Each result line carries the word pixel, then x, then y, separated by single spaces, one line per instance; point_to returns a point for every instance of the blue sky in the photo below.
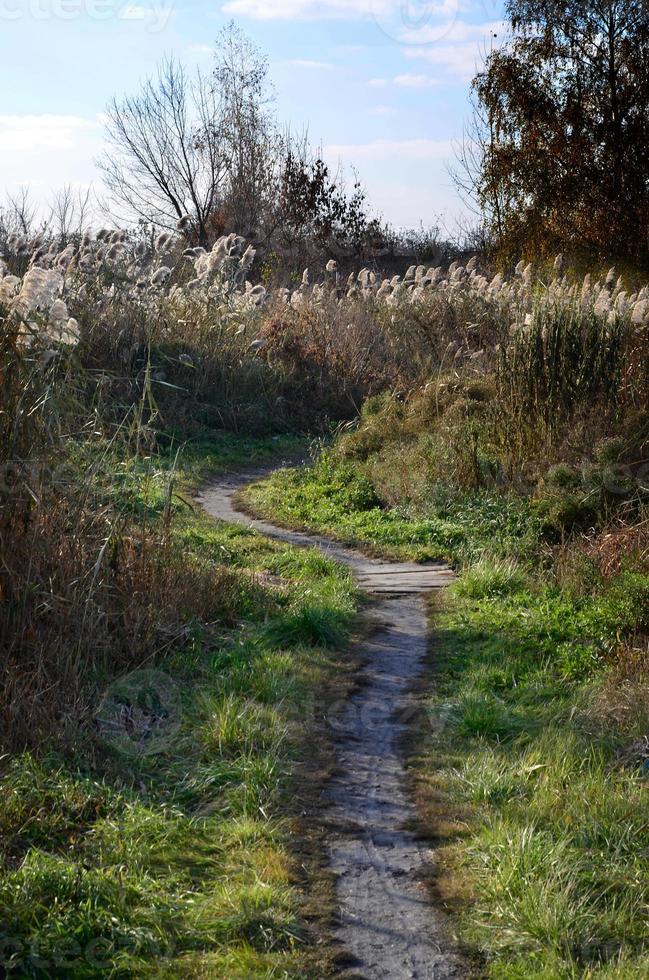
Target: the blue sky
pixel 381 84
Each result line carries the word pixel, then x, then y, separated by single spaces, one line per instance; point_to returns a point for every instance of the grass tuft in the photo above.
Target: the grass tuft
pixel 492 577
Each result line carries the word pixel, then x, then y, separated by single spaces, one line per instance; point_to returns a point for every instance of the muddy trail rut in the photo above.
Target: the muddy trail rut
pixel 387 924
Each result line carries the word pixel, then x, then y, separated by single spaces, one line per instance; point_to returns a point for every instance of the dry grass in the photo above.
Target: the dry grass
pixel 618 546
pixel 86 595
pixel 621 703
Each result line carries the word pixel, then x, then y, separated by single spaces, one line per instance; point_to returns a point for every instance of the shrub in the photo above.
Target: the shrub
pixel 563 477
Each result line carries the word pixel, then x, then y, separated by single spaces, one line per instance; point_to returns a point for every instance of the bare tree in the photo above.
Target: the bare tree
pixel 69 213
pixel 166 158
pixel 210 148
pixel 478 140
pixel 19 213
pixel 254 148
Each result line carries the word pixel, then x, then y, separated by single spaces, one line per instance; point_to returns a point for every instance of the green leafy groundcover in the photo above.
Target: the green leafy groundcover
pixel 337 498
pixel 549 850
pixel 170 857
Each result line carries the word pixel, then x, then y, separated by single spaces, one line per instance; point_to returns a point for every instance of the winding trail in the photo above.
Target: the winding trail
pixel 387 924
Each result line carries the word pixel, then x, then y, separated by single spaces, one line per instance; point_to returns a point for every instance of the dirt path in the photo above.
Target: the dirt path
pixel 388 925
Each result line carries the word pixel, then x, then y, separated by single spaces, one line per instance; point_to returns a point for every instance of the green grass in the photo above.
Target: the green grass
pixel 539 801
pixel 556 847
pixel 170 855
pixel 338 498
pixel 140 486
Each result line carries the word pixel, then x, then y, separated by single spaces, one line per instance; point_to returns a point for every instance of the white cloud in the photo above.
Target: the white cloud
pixel 201 50
pixel 463 49
pixel 452 32
pixel 415 81
pixel 300 9
pixel 460 60
pixel 434 23
pixel 430 30
pixel 308 65
pixel 392 16
pixel 416 149
pixel 45 152
pixel 407 201
pixel 412 81
pixel 21 133
pixel 406 179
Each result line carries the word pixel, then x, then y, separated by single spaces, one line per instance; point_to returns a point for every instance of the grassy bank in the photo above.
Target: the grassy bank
pixel 535 781
pixel 151 837
pixel 338 497
pixel 532 774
